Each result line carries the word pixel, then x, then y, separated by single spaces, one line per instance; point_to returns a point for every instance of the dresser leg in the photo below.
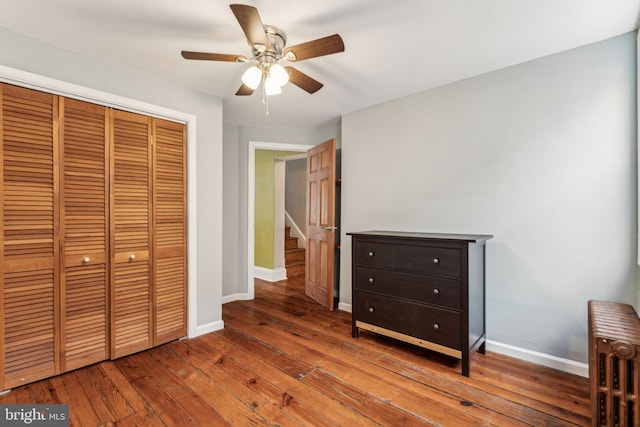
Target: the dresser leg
pixel 482 349
pixel 354 331
pixel 465 363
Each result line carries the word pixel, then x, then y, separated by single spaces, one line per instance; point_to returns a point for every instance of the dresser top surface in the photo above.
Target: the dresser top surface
pixel 475 238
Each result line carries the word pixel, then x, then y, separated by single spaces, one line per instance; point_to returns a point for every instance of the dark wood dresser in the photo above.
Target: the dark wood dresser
pixel 427 289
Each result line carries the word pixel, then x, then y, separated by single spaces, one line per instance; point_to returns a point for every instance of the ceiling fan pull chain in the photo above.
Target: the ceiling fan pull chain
pixel 266 114
pixel 265 99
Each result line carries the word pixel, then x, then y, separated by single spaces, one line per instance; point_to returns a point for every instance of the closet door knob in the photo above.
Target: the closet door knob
pixel 132 257
pixel 86 260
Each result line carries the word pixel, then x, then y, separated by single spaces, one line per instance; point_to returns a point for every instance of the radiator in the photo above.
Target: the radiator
pixel 614 364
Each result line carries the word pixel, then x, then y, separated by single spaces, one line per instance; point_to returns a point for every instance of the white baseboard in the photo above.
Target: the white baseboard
pixel 236 297
pixel 559 363
pixel 209 327
pixel 344 307
pixel 269 275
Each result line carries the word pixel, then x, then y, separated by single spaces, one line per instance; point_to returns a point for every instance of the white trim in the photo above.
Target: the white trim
pixel 566 365
pixel 269 275
pixel 251 184
pixel 296 157
pixel 279 171
pixel 343 306
pixel 70 90
pixel 235 297
pixel 295 230
pixel 192 233
pixel 210 327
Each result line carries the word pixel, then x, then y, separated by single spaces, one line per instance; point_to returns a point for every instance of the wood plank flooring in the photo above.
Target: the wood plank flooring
pixel 282 360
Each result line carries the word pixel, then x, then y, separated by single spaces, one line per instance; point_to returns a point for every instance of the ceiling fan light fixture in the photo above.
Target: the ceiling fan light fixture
pixel 278 74
pixel 271 87
pixel 252 77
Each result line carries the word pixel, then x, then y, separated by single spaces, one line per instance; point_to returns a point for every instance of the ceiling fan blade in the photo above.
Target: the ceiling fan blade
pixel 320 47
pixel 250 22
pixel 212 56
pixel 244 90
pixel 303 81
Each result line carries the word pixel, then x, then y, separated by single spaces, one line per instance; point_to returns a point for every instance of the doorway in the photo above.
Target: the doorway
pixel 253 146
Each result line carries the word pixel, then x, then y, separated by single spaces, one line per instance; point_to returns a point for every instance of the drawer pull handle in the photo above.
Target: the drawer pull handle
pixel 371 280
pixel 370 253
pixel 370 309
pixel 436 291
pixel 436 261
pixel 132 257
pixel 86 260
pixel 436 326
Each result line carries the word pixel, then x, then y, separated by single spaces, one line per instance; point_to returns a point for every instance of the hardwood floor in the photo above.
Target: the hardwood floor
pixel 283 360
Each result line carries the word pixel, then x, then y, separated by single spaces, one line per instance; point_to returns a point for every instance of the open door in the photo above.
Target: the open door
pixel 321 225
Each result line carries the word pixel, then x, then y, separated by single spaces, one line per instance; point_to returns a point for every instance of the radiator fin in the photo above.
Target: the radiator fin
pixel 614 364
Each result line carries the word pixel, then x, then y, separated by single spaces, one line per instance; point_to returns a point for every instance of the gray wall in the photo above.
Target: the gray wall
pixel 36 57
pixel 234 229
pixel 296 191
pixel 541 155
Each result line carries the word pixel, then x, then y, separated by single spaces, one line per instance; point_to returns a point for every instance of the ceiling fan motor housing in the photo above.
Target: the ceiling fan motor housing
pixel 277 41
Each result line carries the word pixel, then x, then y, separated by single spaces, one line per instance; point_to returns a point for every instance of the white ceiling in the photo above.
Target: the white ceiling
pixel 393 48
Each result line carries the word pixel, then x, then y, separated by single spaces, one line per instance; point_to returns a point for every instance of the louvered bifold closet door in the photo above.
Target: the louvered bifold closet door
pixel 170 231
pixel 29 249
pixel 131 296
pixel 84 233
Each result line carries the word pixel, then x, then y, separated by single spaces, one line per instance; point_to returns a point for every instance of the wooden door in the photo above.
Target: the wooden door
pixel 131 296
pixel 29 231
pixel 321 184
pixel 170 228
pixel 84 228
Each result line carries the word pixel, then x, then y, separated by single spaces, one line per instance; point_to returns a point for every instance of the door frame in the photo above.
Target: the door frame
pixel 251 199
pixel 58 87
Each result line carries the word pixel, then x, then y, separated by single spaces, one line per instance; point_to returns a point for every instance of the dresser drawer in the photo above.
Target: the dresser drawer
pixel 411 258
pixel 429 289
pixel 429 323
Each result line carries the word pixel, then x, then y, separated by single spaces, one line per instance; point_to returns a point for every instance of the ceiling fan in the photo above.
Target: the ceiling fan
pixel 268 49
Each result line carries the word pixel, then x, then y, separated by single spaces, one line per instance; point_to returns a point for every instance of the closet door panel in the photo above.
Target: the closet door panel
pixel 84 233
pixel 130 233
pixel 170 230
pixel 28 227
